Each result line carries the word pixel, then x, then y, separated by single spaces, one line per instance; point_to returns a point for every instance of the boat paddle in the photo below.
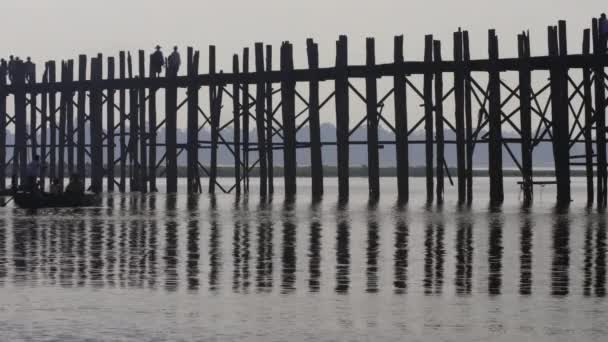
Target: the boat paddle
pixel 7 202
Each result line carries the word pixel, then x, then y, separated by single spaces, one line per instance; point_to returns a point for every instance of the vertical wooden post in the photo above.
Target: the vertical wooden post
pixel 495 141
pixel 214 122
pixel 428 116
pixel 342 116
pixel 19 151
pixel 193 104
pixel 599 50
pixel 439 135
pixel 588 119
pixel 236 115
pixel 269 124
pixel 70 118
pixel 43 124
pixel 401 127
pixel 171 134
pixel 122 122
pixel 288 97
pixel 80 120
pixel 110 127
pixel 52 123
pixel 459 116
pixel 33 113
pixel 260 118
pixel 3 75
pixel 316 159
pixel 563 143
pixel 63 101
pixel 95 113
pixel 371 94
pixel 245 135
pixel 133 145
pixel 525 93
pixel 143 137
pixel 152 130
pixel 468 114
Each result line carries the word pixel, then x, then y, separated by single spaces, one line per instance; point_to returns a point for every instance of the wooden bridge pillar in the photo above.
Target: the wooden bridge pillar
pixel 599 50
pixel 3 117
pixel 236 116
pixel 289 132
pixel 439 133
pixel 81 100
pixel 52 167
pixel 401 127
pixel 20 152
pixel 63 136
pixel 525 93
pixel 193 104
pixel 459 117
pixel 316 159
pixel 587 96
pixel 171 134
pixel 214 121
pixel 260 119
pixel 495 140
pixel 143 137
pixel 269 123
pixel 95 113
pixel 245 116
pixel 428 117
pixel 371 95
pixel 70 139
pixel 468 115
pixel 123 130
pixel 110 130
pixel 342 116
pixel 152 131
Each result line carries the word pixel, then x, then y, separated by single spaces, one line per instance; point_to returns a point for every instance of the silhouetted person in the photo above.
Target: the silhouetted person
pixel 30 70
pixel 157 61
pixel 11 68
pixel 173 63
pixel 3 71
pixel 74 186
pixel 603 28
pixel 33 171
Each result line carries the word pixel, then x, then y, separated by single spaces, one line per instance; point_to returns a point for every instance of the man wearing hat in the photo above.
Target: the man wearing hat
pixel 157 60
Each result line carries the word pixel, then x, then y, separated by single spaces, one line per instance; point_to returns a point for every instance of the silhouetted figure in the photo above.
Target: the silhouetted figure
pixel 30 71
pixel 33 171
pixel 11 68
pixel 603 28
pixel 173 63
pixel 3 71
pixel 56 187
pixel 75 187
pixel 157 61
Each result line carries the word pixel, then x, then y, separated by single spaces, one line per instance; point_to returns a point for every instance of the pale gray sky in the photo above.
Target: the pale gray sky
pixel 56 29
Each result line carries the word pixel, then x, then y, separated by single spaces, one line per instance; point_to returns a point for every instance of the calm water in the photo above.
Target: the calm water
pixel 158 267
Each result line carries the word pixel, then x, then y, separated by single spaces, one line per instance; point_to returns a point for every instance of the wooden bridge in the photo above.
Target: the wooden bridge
pixel 566 109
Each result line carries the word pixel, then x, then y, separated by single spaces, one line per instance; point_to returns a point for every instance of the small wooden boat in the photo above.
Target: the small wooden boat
pixel 29 200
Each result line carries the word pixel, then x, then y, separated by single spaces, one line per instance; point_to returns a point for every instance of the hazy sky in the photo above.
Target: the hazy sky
pixel 59 29
pixel 56 29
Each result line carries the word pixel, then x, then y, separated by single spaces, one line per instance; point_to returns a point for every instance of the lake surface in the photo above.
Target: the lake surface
pixel 158 267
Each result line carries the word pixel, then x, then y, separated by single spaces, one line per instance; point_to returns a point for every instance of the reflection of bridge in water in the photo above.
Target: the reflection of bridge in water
pixel 146 242
pixel 119 114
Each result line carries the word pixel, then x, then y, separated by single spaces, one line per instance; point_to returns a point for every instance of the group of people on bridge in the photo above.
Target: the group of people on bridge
pixel 8 69
pixel 172 63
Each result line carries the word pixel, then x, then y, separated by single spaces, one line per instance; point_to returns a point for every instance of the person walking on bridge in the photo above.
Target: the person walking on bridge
pixel 3 71
pixel 173 63
pixel 11 68
pixel 157 60
pixel 30 71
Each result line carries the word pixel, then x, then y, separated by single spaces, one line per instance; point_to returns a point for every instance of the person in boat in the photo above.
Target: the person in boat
pixel 56 187
pixel 33 171
pixel 157 61
pixel 75 187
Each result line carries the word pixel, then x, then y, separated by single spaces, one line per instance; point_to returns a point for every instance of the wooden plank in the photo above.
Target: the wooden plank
pixel 525 93
pixel 214 116
pixel 192 128
pixel 236 116
pixel 171 135
pixel 245 116
pixel 599 50
pixel 260 119
pixel 122 117
pixel 269 123
pixel 495 132
pixel 428 118
pixel 316 158
pixel 459 117
pixel 468 115
pixel 110 131
pixel 80 120
pixel 19 151
pixel 52 124
pixel 288 110
pixel 70 119
pixel 371 95
pixel 439 135
pixel 95 117
pixel 401 126
pixel 152 131
pixel 342 116
pixel 143 137
pixel 3 76
pixel 588 131
pixel 62 126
